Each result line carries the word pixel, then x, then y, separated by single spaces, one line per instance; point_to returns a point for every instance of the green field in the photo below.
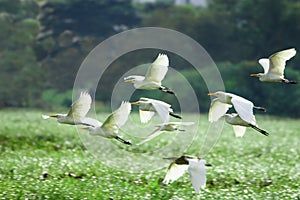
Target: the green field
pixel 43 160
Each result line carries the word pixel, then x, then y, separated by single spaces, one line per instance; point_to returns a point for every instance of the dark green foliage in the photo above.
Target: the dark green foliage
pixel 20 74
pixel 43 43
pixel 88 17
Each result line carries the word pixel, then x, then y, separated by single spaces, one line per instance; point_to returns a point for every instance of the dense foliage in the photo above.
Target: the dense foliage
pixel 44 160
pixel 44 42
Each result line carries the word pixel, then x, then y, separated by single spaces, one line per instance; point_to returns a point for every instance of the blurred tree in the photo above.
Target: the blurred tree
pixel 88 17
pixel 72 28
pixel 20 73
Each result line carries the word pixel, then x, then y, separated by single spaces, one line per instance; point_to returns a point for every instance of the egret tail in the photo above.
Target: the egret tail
pixel 260 108
pixel 259 130
pixel 175 115
pixel 167 90
pixel 123 141
pixel 289 81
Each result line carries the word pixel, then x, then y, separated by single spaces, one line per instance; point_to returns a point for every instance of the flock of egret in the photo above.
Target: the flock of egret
pixel 243 118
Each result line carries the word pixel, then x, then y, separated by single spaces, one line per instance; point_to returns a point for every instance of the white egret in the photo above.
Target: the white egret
pixel 195 166
pixel 239 125
pixel 224 101
pixel 274 67
pixel 148 107
pixel 112 124
pixel 77 113
pixel 168 126
pixel 155 74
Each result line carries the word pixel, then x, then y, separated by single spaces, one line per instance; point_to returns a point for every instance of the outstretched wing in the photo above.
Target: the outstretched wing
pixel 154 134
pixel 197 173
pixel 162 110
pixel 174 172
pixel 158 69
pixel 145 116
pixel 90 122
pixel 118 118
pixel 244 108
pixel 181 123
pixel 278 61
pixel 265 63
pixel 217 109
pixel 239 130
pixel 81 106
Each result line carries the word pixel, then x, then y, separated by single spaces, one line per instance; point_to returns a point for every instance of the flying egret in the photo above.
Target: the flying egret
pixel 239 125
pixel 195 166
pixel 155 74
pixel 168 126
pixel 224 101
pixel 112 124
pixel 274 67
pixel 148 107
pixel 77 113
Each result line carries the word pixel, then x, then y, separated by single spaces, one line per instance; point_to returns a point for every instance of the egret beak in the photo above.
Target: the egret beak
pixel 45 116
pixel 211 94
pixel 84 128
pixel 128 81
pixel 49 116
pixel 254 75
pixel 134 103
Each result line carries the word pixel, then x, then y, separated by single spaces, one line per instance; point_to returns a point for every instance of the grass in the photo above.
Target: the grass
pixel 44 160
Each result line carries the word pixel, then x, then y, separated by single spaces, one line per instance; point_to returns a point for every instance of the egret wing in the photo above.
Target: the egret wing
pixel 244 108
pixel 278 61
pixel 174 172
pixel 154 134
pixel 239 130
pixel 162 110
pixel 158 69
pixel 265 63
pixel 181 123
pixel 145 116
pixel 217 109
pixel 134 77
pixel 90 122
pixel 197 173
pixel 118 118
pixel 81 106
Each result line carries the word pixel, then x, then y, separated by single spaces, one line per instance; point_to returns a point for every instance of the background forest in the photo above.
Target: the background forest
pixel 42 44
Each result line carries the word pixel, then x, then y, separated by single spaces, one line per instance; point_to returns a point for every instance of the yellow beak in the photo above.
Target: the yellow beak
pixel 128 81
pixel 254 75
pixel 211 94
pixel 134 103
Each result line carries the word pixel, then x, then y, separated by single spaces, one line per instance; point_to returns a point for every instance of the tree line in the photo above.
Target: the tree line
pixel 42 44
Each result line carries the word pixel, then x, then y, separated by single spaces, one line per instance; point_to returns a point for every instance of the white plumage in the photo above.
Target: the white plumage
pixel 239 125
pixel 154 76
pixel 224 101
pixel 148 107
pixel 77 112
pixel 274 66
pixel 112 124
pixel 168 126
pixel 195 166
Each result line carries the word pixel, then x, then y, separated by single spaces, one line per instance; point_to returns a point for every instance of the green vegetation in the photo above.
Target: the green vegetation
pixel 43 160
